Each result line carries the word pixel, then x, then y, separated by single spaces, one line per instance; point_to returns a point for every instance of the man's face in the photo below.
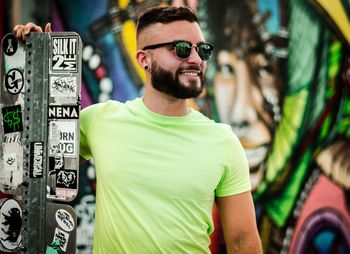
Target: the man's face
pixel 180 78
pixel 243 86
pixel 170 83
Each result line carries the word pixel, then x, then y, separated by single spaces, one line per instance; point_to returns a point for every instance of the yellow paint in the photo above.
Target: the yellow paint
pixel 286 133
pixel 129 39
pixel 336 11
pixel 123 3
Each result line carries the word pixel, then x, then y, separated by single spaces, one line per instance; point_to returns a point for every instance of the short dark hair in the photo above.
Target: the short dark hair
pixel 164 15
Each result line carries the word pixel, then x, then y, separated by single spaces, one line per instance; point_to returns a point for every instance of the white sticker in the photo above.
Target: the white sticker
pixel 63 138
pixel 64 220
pixel 11 138
pixel 10 161
pixel 61 237
pixel 54 138
pixel 63 86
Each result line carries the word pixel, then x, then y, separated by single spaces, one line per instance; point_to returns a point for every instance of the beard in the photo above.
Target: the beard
pixel 164 81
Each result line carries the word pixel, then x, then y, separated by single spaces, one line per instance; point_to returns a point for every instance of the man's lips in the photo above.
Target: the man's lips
pixel 190 73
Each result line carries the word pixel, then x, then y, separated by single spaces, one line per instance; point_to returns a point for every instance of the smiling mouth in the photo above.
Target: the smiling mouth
pixel 190 73
pixel 256 155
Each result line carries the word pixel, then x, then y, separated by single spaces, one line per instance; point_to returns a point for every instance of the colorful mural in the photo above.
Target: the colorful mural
pixel 280 78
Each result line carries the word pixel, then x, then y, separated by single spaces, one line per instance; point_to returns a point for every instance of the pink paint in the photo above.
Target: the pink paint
pixel 324 194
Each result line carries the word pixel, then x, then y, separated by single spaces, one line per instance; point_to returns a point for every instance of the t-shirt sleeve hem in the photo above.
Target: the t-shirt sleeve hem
pixel 86 156
pixel 233 192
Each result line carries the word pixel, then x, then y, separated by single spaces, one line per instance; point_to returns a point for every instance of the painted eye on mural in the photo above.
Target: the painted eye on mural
pixel 226 70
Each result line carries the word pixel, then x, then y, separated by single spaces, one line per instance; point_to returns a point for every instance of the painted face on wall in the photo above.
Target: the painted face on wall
pixel 242 89
pixel 246 87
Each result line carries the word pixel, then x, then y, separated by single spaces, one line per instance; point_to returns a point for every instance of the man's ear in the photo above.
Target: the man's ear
pixel 142 59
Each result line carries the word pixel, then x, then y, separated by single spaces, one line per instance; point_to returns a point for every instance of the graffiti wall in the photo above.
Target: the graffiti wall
pixel 280 77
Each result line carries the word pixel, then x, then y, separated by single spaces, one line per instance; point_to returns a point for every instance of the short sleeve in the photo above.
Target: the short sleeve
pixel 87 118
pixel 235 178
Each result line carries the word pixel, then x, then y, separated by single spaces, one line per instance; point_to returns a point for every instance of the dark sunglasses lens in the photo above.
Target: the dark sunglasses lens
pixel 183 49
pixel 204 51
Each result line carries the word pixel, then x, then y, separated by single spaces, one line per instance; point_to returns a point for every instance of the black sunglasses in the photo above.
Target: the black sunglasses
pixel 183 49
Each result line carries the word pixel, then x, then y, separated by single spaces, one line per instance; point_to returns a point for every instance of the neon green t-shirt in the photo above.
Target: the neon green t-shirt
pixel 157 177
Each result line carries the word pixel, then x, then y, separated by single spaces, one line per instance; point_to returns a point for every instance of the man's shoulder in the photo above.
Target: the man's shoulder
pixel 103 107
pixel 218 128
pixel 200 117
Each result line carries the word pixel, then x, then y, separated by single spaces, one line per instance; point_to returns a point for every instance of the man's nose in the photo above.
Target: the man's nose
pixel 194 56
pixel 244 104
pixel 243 114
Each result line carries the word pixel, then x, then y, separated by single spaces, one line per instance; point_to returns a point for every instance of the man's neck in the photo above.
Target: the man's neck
pixel 164 104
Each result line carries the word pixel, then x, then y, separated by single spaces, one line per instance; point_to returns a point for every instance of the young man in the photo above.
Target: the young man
pixel 160 165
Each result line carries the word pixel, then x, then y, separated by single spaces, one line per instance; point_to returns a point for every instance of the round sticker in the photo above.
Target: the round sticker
pixel 10 224
pixel 14 81
pixel 64 220
pixel 9 44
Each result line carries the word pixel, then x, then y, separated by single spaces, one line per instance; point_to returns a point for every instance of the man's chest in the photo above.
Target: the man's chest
pixel 162 161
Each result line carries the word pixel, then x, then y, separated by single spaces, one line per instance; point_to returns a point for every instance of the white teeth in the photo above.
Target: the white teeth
pixel 255 155
pixel 192 74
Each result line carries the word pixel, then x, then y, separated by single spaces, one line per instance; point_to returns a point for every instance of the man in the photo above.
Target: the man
pixel 160 165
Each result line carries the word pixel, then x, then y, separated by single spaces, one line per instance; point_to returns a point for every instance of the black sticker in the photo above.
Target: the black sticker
pixel 36 159
pixel 12 119
pixel 14 81
pixel 66 179
pixel 55 165
pixel 63 112
pixel 10 224
pixel 64 54
pixel 9 44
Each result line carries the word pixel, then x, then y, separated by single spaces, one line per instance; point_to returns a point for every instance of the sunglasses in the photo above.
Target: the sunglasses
pixel 183 49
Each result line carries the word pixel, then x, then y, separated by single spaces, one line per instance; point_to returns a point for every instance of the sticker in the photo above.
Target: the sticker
pixel 63 138
pixel 66 179
pixel 10 224
pixel 55 163
pixel 65 220
pixel 64 112
pixel 62 237
pixel 9 44
pixel 10 161
pixel 53 247
pixel 63 86
pixel 64 54
pixel 54 138
pixel 36 159
pixel 12 118
pixel 14 81
pixel 12 138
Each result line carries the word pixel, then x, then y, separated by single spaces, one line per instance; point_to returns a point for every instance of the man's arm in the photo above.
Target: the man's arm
pixel 238 222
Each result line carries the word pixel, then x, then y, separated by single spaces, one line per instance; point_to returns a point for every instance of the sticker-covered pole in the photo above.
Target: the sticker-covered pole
pixel 39 153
